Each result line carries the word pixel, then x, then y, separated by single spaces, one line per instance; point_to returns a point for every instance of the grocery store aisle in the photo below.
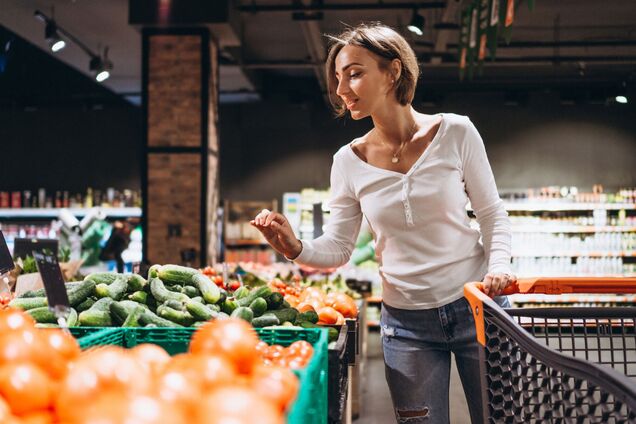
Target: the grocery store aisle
pixel 376 400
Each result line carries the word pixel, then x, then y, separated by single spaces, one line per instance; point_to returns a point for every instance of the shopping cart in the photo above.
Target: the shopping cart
pixel 557 364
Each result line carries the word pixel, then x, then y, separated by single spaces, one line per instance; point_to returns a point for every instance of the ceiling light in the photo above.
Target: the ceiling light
pixel 621 99
pixel 52 37
pixel 100 66
pixel 417 23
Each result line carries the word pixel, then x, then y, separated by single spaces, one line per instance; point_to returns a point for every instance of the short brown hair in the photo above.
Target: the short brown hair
pixel 386 43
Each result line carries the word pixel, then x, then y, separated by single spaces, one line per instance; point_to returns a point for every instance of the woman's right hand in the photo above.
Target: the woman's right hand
pixel 278 233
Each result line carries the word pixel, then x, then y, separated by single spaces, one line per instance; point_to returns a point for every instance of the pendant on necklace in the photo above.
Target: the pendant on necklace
pixel 395 159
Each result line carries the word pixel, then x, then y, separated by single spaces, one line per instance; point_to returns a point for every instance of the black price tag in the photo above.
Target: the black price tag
pixel 6 261
pixel 52 278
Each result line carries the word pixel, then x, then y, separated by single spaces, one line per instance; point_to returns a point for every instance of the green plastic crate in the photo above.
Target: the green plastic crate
pixel 310 406
pixel 97 336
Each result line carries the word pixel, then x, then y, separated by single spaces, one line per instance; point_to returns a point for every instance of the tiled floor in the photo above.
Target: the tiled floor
pixel 376 401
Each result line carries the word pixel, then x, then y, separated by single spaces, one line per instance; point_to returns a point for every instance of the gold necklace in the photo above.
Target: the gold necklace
pixel 396 155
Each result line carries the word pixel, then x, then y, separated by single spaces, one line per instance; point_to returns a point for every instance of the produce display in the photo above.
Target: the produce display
pixel 176 296
pixel 228 376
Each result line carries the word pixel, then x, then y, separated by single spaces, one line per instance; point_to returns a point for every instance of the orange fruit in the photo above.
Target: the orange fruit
pixel 151 356
pixel 30 345
pixel 291 299
pixel 237 404
pixel 275 383
pixel 25 387
pixel 15 319
pixel 327 315
pixel 345 305
pixel 61 342
pixel 304 307
pixel 233 338
pixel 38 417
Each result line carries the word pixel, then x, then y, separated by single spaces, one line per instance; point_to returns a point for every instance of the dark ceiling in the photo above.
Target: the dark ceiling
pixel 561 44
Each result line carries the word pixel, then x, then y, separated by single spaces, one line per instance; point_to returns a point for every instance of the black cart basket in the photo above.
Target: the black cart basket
pixel 557 364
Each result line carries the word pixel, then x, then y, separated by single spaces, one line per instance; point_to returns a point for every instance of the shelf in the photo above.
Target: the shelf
pixel 575 229
pixel 627 254
pixel 555 207
pixel 245 242
pixel 28 213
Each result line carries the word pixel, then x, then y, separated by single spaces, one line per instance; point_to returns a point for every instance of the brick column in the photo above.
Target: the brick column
pixel 180 104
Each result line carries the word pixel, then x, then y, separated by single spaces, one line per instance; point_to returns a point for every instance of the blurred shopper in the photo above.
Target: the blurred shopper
pixel 411 178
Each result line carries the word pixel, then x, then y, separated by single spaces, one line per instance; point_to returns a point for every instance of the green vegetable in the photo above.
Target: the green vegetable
pixel 136 282
pixel 43 315
pixel 121 310
pixel 114 290
pixel 42 325
pixel 309 316
pixel 275 300
pixel 258 306
pixel 27 303
pixel 139 297
pixel 284 305
pixel 210 291
pixel 73 318
pixel 161 294
pixel 153 271
pixel 244 313
pixel 333 333
pixel 28 265
pixel 287 314
pixel 103 277
pixel 190 291
pixel 265 320
pixel 200 311
pixel 85 305
pixel 81 292
pixel 175 304
pixel 42 292
pixel 241 292
pixel 133 318
pixel 263 292
pixel 229 306
pixel 150 319
pixel 176 274
pixel 180 317
pixel 98 315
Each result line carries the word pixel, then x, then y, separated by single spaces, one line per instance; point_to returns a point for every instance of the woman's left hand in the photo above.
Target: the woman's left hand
pixel 495 283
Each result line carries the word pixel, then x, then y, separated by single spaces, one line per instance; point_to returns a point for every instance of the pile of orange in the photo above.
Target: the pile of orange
pixel 295 356
pixel 332 308
pixel 291 289
pixel 46 379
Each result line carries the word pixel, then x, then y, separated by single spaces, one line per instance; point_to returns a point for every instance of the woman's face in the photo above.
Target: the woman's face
pixel 362 85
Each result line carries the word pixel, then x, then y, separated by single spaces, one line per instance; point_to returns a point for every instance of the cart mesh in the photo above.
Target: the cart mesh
pixel 526 383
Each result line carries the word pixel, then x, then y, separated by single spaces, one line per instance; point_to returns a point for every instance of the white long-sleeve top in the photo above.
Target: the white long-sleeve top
pixel 425 246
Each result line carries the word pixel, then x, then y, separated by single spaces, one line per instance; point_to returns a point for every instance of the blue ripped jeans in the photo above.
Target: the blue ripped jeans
pixel 417 352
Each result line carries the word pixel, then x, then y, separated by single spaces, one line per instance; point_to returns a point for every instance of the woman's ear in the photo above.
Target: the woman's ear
pixel 396 69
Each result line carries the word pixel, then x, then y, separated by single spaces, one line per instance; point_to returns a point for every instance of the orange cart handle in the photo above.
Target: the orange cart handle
pixel 475 295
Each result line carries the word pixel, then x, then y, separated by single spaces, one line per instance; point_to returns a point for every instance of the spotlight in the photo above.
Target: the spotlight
pixel 101 66
pixel 52 37
pixel 417 23
pixel 621 99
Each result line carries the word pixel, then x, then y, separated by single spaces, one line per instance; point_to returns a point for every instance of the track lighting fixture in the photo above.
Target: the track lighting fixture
pixel 99 65
pixel 417 23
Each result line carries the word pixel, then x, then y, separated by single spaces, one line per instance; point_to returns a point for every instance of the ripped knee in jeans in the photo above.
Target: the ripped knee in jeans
pixel 411 415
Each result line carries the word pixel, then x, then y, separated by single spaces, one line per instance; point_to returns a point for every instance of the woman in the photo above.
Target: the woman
pixel 411 178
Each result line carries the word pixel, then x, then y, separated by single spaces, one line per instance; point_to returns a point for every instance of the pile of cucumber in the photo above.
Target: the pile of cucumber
pixel 173 296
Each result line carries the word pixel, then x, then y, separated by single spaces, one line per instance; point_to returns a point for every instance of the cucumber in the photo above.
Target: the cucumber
pixel 244 313
pixel 241 292
pixel 133 318
pixel 190 291
pixel 43 315
pixel 198 299
pixel 200 311
pixel 180 317
pixel 114 290
pixel 265 320
pixel 150 326
pixel 47 325
pixel 262 291
pixel 275 300
pixel 175 304
pixel 120 311
pixel 42 292
pixel 139 297
pixel 176 274
pixel 258 306
pixel 153 271
pixel 81 293
pixel 85 305
pixel 73 318
pixel 161 294
pixel 284 305
pixel 223 315
pixel 27 303
pixel 210 291
pixel 93 318
pixel 103 277
pixel 309 316
pixel 102 304
pixel 287 314
pixel 136 282
pixel 229 306
pixel 223 296
pixel 148 318
pixel 333 333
